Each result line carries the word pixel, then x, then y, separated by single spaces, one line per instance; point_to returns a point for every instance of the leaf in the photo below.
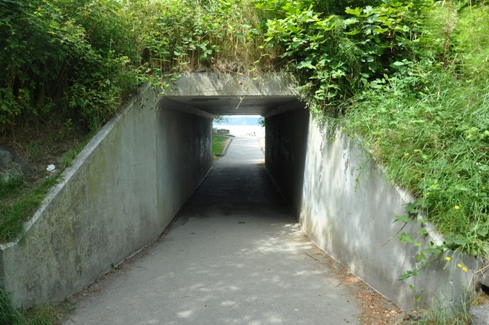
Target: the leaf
pixel 355 12
pixel 432 250
pixel 306 64
pixel 403 219
pixel 353 32
pixel 482 232
pixel 404 276
pixel 405 238
pixel 412 207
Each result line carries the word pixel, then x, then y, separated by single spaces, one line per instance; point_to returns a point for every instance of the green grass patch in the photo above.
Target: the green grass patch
pixel 218 144
pixel 21 197
pixel 435 145
pixel 8 314
pixel 14 214
pixel 37 315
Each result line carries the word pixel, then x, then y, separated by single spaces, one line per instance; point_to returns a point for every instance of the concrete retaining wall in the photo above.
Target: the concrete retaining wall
pixel 347 208
pixel 119 195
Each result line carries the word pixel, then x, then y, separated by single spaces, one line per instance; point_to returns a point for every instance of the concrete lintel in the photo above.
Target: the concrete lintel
pixel 216 84
pixel 232 94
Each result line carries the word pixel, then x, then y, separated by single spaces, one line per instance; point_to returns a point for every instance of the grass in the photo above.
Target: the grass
pixel 433 139
pixel 13 216
pixel 8 314
pixel 218 144
pixel 37 315
pixel 445 315
pixel 435 146
pixel 21 197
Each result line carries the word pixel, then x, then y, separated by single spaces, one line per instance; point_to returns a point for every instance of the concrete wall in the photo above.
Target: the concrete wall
pixel 347 208
pixel 119 195
pixel 286 143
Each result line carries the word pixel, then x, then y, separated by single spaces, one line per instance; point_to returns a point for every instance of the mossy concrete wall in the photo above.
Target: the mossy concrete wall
pixel 121 192
pixel 347 207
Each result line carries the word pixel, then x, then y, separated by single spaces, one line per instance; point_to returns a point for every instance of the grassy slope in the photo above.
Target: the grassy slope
pixel 435 142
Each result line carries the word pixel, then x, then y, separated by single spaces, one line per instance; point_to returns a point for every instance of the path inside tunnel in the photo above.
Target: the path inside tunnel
pixel 234 255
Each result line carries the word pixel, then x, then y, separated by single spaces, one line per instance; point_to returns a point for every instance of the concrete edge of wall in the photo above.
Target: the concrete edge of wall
pixel 131 167
pixel 68 173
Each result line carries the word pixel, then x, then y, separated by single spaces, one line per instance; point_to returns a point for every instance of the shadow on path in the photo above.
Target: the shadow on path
pixel 235 255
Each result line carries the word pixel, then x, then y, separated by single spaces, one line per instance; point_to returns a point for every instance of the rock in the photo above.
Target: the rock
pixel 479 309
pixel 11 166
pixel 484 279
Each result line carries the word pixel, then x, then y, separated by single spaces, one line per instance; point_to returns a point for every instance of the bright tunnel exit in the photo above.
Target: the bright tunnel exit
pixel 239 125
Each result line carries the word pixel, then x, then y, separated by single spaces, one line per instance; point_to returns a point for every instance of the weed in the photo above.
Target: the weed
pixel 34 152
pixel 445 315
pixel 11 187
pixel 37 315
pixel 43 315
pixel 8 314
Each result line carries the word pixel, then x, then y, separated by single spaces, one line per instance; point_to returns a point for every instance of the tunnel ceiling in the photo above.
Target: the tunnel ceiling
pixel 232 94
pixel 232 105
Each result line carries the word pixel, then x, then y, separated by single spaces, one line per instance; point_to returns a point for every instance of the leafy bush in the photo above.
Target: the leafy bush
pixel 56 67
pixel 336 56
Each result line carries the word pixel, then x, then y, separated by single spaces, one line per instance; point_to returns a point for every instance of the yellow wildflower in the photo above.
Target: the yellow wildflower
pixel 465 269
pixel 459 265
pixel 448 258
pixel 457 207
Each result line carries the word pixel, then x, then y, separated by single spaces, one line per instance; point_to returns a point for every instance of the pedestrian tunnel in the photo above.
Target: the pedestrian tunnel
pixel 135 174
pixel 273 96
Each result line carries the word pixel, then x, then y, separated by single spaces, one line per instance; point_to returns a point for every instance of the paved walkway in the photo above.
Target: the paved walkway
pixel 235 256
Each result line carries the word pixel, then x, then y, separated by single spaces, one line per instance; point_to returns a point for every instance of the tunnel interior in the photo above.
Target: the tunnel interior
pixel 286 132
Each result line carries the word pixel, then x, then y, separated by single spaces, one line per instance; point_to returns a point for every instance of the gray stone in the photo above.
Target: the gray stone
pixel 484 279
pixel 11 166
pixel 480 315
pixel 479 310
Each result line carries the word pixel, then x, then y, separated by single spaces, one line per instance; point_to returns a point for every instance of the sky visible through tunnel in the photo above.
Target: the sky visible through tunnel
pixel 241 125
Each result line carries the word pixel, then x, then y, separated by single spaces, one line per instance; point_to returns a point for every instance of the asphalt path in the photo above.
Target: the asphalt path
pixel 235 255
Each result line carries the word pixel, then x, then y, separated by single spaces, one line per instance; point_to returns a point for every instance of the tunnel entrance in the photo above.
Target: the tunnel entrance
pixel 272 96
pixel 226 94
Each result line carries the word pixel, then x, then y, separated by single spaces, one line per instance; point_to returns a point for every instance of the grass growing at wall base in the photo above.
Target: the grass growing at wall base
pixel 37 315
